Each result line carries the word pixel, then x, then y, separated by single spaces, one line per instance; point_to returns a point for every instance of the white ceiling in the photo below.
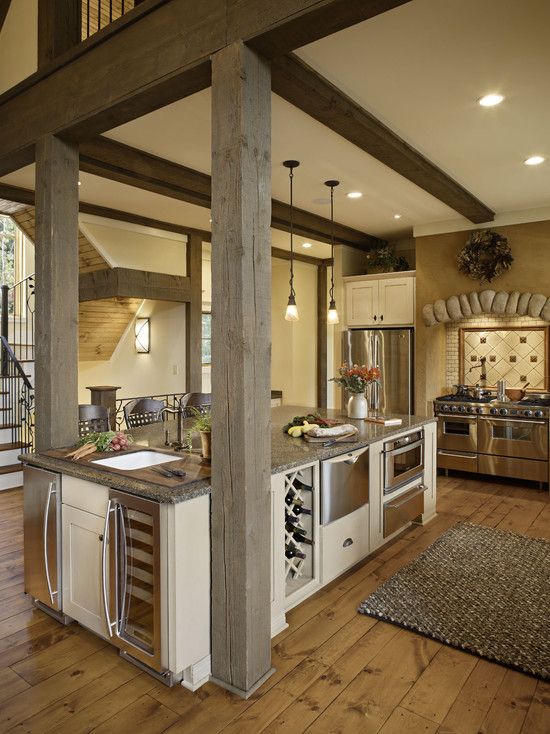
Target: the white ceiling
pixel 420 69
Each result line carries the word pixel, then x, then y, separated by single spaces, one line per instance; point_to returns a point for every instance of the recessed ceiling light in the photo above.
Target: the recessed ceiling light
pixel 354 195
pixel 534 160
pixel 490 100
pixel 307 245
pixel 397 216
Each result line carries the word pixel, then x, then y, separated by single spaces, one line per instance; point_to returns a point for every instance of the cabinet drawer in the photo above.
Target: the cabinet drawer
pixel 344 542
pixel 403 509
pixel 455 460
pixel 85 495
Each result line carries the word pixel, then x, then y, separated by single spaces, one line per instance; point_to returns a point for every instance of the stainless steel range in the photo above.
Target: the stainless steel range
pixel 489 436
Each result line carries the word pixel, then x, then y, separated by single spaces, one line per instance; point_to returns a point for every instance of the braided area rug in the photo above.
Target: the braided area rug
pixel 480 589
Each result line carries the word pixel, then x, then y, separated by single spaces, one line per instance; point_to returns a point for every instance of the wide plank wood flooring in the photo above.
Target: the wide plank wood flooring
pixel 336 671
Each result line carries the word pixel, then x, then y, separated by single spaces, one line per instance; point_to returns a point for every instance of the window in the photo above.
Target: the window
pixel 8 246
pixel 207 338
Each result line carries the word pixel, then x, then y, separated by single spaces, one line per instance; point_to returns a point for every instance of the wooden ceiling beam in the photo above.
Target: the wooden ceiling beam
pixel 302 86
pixel 158 54
pixel 129 283
pixel 125 164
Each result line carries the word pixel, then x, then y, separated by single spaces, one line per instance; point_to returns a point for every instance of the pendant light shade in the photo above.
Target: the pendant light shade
pixel 291 308
pixel 332 316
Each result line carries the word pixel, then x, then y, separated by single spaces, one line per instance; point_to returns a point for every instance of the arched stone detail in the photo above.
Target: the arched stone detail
pixel 488 302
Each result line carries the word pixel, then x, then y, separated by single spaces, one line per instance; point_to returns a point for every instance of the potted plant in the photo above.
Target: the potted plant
pixel 203 424
pixel 355 380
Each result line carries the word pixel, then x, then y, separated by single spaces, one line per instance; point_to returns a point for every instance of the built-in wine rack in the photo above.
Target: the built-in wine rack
pixel 299 529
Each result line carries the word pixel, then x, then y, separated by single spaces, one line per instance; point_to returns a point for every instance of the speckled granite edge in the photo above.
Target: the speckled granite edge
pixel 137 487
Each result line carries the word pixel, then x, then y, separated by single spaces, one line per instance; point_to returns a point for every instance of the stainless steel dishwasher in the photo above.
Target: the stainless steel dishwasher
pixel 344 484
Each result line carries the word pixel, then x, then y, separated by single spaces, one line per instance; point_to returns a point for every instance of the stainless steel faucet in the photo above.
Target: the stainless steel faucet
pixel 178 444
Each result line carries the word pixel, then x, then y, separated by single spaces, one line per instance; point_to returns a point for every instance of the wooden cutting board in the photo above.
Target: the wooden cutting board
pixel 324 439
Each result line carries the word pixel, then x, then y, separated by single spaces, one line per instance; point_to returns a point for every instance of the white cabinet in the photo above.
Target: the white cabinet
pixel 344 542
pixel 82 568
pixel 380 301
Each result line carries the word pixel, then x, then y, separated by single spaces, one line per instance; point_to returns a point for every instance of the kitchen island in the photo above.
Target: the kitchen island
pixel 131 560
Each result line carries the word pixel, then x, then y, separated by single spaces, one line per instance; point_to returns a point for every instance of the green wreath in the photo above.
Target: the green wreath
pixel 486 256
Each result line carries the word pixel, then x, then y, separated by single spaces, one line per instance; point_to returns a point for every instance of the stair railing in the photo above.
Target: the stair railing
pixel 17 321
pixel 16 400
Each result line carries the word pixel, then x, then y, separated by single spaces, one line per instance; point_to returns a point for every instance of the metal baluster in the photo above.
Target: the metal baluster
pixel 110 11
pixel 98 15
pixel 87 18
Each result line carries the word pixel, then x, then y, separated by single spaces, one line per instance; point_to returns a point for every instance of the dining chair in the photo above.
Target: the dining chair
pixel 200 401
pixel 143 412
pixel 92 419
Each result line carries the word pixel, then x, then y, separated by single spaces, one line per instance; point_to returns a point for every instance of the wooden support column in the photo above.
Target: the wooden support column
pixel 241 362
pixel 59 28
pixel 322 310
pixel 193 316
pixel 56 319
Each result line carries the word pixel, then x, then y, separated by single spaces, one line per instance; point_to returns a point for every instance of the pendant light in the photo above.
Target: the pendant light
pixel 291 309
pixel 332 316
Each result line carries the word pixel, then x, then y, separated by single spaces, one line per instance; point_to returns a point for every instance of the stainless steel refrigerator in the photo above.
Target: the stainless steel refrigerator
pixel 392 351
pixel 42 538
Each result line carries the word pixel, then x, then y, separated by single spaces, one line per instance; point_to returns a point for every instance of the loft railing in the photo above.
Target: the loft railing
pixel 17 322
pixel 170 400
pixel 96 14
pixel 16 399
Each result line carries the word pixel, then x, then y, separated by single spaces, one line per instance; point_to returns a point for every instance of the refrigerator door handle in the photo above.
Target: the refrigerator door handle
pixel 51 490
pixel 110 508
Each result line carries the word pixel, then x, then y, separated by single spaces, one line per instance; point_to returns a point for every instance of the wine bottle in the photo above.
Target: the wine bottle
pixel 298 510
pixel 293 499
pixel 293 552
pixel 300 538
pixel 290 528
pixel 292 519
pixel 301 485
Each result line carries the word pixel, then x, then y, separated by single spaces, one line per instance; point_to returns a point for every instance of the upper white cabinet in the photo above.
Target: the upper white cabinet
pixel 387 300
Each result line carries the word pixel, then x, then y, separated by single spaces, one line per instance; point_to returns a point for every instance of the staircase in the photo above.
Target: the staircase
pixel 16 379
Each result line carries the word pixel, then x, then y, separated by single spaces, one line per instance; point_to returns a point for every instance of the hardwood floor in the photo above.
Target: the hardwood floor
pixel 337 671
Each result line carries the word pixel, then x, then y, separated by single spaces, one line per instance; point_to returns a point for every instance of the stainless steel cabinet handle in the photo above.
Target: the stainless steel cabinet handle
pixel 121 598
pixel 382 317
pixel 105 590
pixel 396 505
pixel 51 490
pixel 525 421
pixel 347 542
pixel 375 317
pixel 352 460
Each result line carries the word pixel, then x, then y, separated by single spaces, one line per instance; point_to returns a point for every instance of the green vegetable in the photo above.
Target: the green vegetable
pixel 101 440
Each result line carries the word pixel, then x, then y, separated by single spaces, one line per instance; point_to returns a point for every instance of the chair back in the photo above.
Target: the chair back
pixel 142 412
pixel 92 419
pixel 200 401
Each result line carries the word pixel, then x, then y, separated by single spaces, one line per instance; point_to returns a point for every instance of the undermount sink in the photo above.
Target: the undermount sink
pixel 136 460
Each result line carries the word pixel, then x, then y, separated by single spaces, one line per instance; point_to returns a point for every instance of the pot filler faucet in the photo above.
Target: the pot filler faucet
pixel 177 444
pixel 481 364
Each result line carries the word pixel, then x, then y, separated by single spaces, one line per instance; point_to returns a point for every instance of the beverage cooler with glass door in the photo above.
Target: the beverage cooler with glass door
pixel 131 579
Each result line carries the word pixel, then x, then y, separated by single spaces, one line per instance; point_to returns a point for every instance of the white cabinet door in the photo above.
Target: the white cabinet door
pixel 362 303
pixel 82 577
pixel 396 301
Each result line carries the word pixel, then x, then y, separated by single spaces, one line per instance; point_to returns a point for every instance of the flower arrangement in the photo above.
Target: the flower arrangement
pixel 384 260
pixel 356 379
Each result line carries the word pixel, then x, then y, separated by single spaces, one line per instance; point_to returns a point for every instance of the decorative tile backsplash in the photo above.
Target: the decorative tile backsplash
pixel 514 349
pixel 513 355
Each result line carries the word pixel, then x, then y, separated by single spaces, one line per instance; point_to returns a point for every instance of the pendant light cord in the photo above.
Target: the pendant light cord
pixel 291 177
pixel 331 291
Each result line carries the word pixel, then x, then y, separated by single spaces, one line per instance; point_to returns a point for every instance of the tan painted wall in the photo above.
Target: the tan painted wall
pixel 437 276
pixel 18 43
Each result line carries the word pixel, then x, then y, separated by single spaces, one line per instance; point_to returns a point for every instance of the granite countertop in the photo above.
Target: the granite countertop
pixel 286 453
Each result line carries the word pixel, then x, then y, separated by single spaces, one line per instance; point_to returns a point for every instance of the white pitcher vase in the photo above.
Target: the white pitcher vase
pixel 358 406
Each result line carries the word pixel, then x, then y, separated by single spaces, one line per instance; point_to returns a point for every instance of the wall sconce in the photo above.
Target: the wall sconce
pixel 142 334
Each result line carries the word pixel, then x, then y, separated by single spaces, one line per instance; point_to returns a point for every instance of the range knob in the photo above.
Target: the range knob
pixel 538 414
pixel 479 410
pixel 494 411
pixel 503 411
pixel 445 408
pixel 462 409
pixel 453 408
pixel 528 413
pixel 471 409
